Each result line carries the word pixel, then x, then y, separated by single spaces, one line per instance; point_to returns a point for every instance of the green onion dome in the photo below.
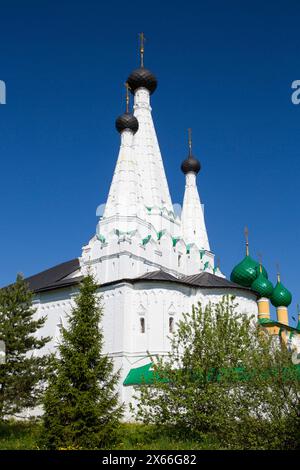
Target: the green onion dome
pixel 281 296
pixel 246 272
pixel 262 286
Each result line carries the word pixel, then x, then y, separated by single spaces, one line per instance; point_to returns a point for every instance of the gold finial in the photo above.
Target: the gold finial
pixel 259 255
pixel 246 232
pixel 190 141
pixel 127 97
pixel 142 48
pixel 278 272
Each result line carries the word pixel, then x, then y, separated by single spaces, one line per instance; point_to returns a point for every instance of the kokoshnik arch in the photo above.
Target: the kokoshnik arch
pixel 151 264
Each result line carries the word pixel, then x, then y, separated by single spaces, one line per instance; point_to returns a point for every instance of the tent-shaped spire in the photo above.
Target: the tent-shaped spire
pixel 123 194
pixel 155 190
pixel 192 216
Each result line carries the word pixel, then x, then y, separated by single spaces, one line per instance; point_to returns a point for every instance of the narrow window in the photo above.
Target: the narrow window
pixel 179 260
pixel 60 324
pixel 171 324
pixel 142 325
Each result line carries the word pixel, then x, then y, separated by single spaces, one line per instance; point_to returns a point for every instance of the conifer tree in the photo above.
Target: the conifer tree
pixel 24 372
pixel 81 404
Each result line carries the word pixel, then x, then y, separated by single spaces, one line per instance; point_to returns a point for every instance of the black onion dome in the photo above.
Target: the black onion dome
pixel 127 121
pixel 190 164
pixel 142 78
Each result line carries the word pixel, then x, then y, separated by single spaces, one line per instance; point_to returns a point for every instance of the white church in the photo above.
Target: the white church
pixel 151 264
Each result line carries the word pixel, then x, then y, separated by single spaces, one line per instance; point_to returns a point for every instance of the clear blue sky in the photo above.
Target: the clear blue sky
pixel 224 68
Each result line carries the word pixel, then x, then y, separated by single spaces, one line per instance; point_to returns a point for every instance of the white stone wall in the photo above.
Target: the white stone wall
pixel 126 256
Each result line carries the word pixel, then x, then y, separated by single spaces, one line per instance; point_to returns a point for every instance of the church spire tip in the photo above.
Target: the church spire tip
pixel 190 164
pixel 246 232
pixel 127 120
pixel 142 48
pixel 127 97
pixel 278 272
pixel 259 255
pixel 190 141
pixel 142 77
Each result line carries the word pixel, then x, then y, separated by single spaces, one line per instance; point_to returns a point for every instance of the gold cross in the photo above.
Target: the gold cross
pixel 246 232
pixel 190 140
pixel 259 255
pixel 278 272
pixel 127 97
pixel 142 48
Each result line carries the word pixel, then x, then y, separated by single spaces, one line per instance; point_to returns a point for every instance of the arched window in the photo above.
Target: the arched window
pixel 142 325
pixel 179 260
pixel 171 324
pixel 60 324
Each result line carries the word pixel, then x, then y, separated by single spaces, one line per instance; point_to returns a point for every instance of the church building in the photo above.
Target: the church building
pixel 150 263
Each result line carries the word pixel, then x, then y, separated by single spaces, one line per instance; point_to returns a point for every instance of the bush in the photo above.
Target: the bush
pixel 227 377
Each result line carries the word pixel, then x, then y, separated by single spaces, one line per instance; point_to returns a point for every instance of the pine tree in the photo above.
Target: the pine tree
pixel 24 372
pixel 81 404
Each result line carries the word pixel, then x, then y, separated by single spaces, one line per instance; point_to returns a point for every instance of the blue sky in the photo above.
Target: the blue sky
pixel 224 68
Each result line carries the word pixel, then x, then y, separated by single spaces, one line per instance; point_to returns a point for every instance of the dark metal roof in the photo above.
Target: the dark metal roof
pixel 157 276
pixel 57 277
pixel 206 280
pixel 54 278
pixel 211 280
pixel 202 280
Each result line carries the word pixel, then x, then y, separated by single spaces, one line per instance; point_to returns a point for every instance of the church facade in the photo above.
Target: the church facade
pixel 151 264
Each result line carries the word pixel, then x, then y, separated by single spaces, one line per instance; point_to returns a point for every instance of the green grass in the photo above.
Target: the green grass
pixel 19 435
pixel 147 437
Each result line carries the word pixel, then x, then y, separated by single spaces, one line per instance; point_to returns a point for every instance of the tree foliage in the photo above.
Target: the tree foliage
pixel 274 423
pixel 224 376
pixel 23 374
pixel 81 403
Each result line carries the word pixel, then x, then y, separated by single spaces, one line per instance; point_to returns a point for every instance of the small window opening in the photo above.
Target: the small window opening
pixel 171 325
pixel 142 325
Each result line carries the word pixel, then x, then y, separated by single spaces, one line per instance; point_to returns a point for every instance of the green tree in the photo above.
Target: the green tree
pixel 187 391
pixel 224 376
pixel 274 381
pixel 81 404
pixel 23 374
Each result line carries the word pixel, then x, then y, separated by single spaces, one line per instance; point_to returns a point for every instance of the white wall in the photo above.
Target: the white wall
pixel 124 305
